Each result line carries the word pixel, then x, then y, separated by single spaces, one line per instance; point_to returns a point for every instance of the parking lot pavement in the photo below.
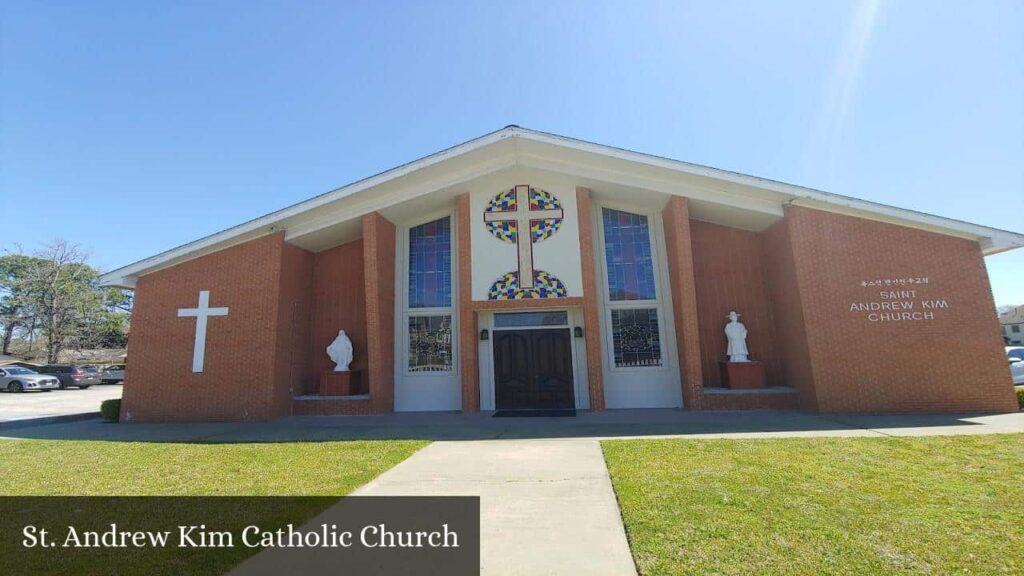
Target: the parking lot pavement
pixel 28 405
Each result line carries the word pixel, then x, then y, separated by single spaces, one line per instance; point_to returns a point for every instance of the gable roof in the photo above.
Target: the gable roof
pixel 512 146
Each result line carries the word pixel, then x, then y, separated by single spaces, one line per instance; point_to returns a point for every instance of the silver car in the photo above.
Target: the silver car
pixel 1015 354
pixel 18 379
pixel 112 374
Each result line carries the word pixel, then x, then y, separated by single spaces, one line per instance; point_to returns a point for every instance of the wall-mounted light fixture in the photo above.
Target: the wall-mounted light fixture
pixel 578 332
pixel 485 335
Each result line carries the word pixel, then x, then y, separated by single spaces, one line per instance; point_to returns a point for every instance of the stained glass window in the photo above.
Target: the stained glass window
pixel 430 265
pixel 635 337
pixel 630 263
pixel 517 319
pixel 430 343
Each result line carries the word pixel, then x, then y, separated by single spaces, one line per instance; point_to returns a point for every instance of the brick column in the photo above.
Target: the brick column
pixel 468 365
pixel 379 271
pixel 676 219
pixel 595 374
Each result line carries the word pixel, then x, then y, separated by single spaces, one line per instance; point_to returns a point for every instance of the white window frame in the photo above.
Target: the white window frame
pixel 660 280
pixel 405 312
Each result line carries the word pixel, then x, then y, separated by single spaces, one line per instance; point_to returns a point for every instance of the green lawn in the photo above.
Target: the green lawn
pixel 941 505
pixel 91 468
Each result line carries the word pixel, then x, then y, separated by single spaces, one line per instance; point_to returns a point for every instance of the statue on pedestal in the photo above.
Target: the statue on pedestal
pixel 736 332
pixel 340 352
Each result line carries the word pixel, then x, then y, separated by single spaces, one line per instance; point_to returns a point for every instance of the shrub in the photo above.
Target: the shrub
pixel 1020 396
pixel 111 409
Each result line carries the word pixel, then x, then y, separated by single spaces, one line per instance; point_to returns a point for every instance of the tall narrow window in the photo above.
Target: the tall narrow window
pixel 627 245
pixel 430 265
pixel 429 306
pixel 632 290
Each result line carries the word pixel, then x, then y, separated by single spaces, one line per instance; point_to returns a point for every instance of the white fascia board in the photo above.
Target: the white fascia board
pixel 992 240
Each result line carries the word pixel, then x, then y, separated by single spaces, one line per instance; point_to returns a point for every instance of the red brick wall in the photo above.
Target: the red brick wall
pixel 339 303
pixel 286 304
pixel 294 300
pixel 729 275
pixel 787 310
pixel 468 343
pixel 241 367
pixel 676 221
pixel 750 401
pixel 954 362
pixel 332 407
pixel 379 271
pixel 591 311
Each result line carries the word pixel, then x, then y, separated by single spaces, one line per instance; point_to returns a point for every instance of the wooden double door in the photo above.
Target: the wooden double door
pixel 533 369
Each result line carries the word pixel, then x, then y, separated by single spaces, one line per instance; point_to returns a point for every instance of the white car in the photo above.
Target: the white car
pixel 18 379
pixel 1015 354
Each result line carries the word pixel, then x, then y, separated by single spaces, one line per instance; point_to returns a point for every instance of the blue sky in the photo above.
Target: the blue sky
pixel 133 127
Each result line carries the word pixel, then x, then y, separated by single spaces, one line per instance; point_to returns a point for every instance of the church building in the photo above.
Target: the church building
pixel 528 271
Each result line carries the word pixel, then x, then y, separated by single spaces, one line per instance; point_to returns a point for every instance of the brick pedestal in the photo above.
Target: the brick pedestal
pixel 742 375
pixel 341 384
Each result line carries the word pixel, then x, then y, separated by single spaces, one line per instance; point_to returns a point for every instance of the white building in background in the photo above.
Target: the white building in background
pixel 1013 325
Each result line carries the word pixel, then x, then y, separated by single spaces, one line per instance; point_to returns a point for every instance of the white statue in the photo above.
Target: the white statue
pixel 340 352
pixel 736 332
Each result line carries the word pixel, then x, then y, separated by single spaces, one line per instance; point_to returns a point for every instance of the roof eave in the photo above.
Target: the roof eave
pixel 992 240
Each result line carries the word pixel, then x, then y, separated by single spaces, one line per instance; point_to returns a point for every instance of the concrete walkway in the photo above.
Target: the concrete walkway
pixel 481 426
pixel 546 507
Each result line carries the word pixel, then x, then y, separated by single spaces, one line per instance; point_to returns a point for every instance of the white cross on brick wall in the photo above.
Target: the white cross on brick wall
pixel 202 314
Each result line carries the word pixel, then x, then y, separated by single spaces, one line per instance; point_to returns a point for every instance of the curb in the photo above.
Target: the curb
pixel 28 422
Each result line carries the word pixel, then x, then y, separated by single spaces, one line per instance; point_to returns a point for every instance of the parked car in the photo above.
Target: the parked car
pixel 18 379
pixel 112 374
pixel 1015 354
pixel 71 375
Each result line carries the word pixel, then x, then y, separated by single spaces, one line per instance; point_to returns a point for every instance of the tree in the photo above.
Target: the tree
pixel 111 329
pixel 54 293
pixel 61 292
pixel 118 299
pixel 15 310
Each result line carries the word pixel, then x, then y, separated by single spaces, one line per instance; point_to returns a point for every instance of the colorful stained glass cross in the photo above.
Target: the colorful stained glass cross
pixel 523 216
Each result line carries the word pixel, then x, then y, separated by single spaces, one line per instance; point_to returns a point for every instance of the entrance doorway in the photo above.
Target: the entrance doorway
pixel 533 365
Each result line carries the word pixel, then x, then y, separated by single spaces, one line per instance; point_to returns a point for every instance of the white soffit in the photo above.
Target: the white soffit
pixel 311 223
